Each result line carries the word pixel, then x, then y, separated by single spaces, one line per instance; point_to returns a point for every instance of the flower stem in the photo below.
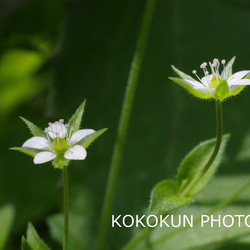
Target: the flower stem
pixel 143 234
pixel 123 124
pixel 66 207
pixel 215 152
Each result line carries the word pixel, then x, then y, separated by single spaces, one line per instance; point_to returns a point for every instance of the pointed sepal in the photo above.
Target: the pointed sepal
pixel 86 141
pixel 35 130
pixel 76 119
pixel 28 151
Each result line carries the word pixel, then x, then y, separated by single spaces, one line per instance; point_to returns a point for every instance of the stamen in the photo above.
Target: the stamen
pixel 66 125
pixel 61 120
pixel 50 123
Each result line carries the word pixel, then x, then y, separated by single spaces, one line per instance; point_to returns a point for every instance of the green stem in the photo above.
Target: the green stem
pixel 123 124
pixel 66 208
pixel 146 232
pixel 199 175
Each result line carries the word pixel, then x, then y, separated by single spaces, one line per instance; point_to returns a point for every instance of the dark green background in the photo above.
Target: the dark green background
pixel 54 54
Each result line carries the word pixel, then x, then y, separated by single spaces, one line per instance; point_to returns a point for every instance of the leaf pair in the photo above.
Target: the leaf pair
pixel 167 196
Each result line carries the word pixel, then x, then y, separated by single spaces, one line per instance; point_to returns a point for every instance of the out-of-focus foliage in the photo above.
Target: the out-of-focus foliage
pixel 54 54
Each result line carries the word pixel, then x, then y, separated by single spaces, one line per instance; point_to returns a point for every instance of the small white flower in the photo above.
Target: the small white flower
pixel 214 84
pixel 59 142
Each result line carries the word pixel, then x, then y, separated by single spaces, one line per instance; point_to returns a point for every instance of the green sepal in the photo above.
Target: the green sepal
pixel 35 130
pixel 190 89
pixel 29 151
pixel 222 91
pixel 195 161
pixel 165 198
pixel 75 120
pixel 86 141
pixel 33 240
pixel 227 71
pixel 237 91
pixel 60 161
pixel 182 74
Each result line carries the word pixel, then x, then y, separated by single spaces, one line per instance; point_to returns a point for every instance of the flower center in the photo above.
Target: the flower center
pixel 57 129
pixel 59 145
pixel 214 82
pixel 211 80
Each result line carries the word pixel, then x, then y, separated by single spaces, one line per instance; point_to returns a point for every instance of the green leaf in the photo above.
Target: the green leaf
pixel 7 213
pixel 35 130
pixel 86 141
pixel 165 198
pixel 222 91
pixel 77 225
pixel 29 151
pixel 25 245
pixel 34 240
pixel 75 120
pixel 195 161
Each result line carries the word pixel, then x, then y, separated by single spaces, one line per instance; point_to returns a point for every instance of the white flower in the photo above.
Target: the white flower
pixel 215 84
pixel 59 142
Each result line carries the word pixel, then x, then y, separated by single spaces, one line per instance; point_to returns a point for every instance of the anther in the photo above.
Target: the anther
pixel 203 65
pixel 223 61
pixel 61 120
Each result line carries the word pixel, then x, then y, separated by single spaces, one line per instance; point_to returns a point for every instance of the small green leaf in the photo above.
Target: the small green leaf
pixel 195 161
pixel 165 198
pixel 7 213
pixel 29 151
pixel 222 91
pixel 75 120
pixel 25 245
pixel 34 240
pixel 86 141
pixel 35 131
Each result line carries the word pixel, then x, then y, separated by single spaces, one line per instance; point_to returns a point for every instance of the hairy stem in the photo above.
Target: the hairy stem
pixel 199 175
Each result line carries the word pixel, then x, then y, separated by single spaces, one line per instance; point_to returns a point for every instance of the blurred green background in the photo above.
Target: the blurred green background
pixel 54 54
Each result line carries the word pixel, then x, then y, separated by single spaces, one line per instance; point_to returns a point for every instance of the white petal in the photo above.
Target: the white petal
pixel 206 80
pixel 37 142
pixel 240 82
pixel 80 134
pixel 237 76
pixel 77 152
pixel 193 83
pixel 205 90
pixel 43 157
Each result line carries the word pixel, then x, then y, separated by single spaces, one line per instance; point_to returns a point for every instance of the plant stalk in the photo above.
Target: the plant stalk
pixel 197 178
pixel 66 208
pixel 123 125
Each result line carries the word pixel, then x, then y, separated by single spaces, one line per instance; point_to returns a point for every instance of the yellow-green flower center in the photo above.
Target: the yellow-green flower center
pixel 214 82
pixel 59 145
